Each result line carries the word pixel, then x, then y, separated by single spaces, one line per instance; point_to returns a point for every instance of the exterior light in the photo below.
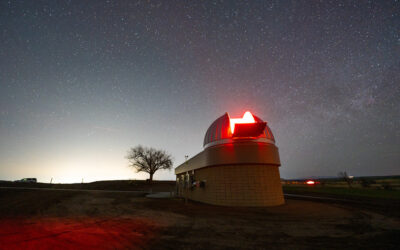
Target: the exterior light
pixel 310 182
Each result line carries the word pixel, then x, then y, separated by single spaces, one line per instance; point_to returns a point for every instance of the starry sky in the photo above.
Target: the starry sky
pixel 83 81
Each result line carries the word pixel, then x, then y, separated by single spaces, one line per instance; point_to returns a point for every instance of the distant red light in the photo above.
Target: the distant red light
pixel 310 182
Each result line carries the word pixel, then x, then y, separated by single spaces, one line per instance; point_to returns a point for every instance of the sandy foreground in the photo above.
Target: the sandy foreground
pixel 32 219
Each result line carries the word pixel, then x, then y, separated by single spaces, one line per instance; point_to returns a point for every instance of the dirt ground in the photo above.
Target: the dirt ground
pixel 47 219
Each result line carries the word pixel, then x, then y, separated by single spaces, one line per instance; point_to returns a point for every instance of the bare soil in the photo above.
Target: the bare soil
pixel 48 219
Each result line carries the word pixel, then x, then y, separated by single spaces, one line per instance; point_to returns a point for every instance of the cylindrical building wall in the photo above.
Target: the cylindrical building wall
pixel 234 185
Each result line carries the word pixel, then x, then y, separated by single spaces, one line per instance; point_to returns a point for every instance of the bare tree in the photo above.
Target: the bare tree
pixel 148 160
pixel 344 176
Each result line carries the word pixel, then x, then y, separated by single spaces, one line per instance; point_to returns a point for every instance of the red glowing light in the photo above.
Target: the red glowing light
pixel 68 233
pixel 310 182
pixel 247 118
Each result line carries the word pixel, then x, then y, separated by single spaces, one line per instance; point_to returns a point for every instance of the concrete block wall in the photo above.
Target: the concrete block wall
pixel 238 185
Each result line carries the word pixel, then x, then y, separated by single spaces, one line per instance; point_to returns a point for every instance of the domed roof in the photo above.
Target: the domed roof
pixel 228 130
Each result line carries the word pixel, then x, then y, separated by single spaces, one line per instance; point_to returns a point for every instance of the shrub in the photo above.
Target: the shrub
pixel 365 183
pixel 387 186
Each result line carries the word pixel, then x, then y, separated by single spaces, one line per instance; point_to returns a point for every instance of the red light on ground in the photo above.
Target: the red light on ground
pixel 68 233
pixel 247 118
pixel 310 182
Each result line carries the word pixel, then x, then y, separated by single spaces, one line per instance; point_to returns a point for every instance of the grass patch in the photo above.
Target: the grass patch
pixel 343 191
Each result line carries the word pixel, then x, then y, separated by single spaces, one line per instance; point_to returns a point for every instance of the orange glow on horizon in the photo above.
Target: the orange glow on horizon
pixel 247 118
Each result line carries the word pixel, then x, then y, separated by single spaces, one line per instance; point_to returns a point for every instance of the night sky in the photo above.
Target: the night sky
pixel 82 81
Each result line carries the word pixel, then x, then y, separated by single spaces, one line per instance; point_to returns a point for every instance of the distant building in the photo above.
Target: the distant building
pixel 239 165
pixel 30 180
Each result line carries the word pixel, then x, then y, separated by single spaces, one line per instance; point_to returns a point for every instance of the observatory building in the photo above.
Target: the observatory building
pixel 239 165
